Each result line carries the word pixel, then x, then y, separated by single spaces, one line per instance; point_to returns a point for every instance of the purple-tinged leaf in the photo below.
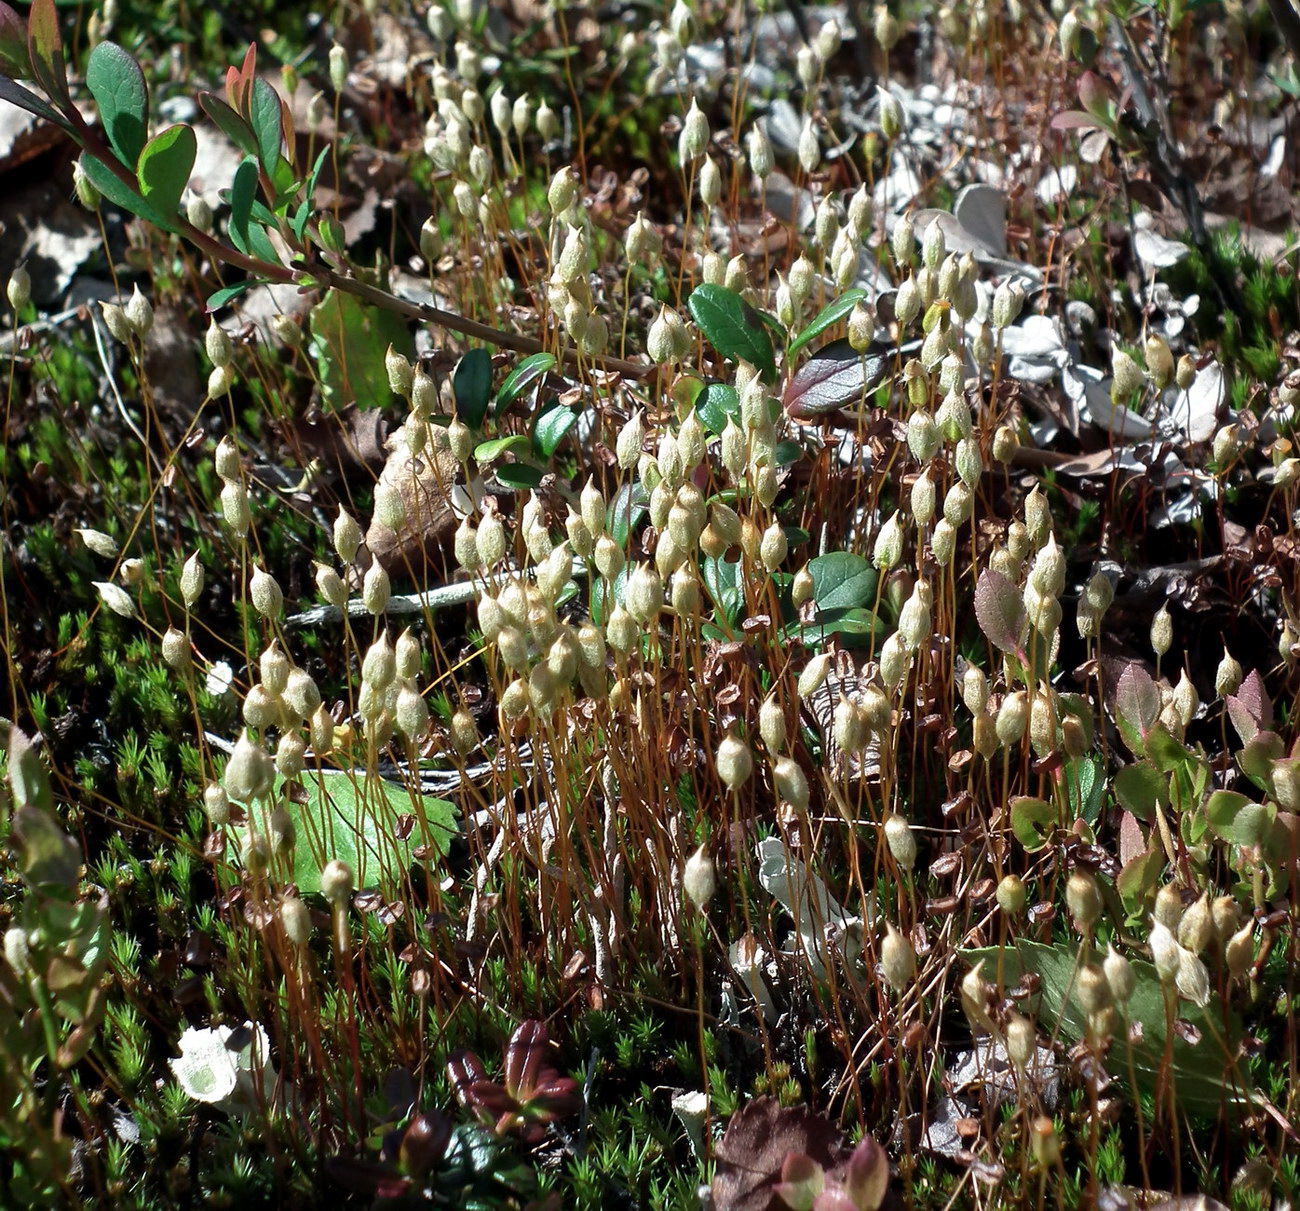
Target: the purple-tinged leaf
pixel 525 1056
pixel 1250 708
pixel 1074 119
pixel 229 122
pixel 15 62
pixel 45 45
pixel 23 98
pixel 833 377
pixel 1137 707
pixel 866 1176
pixel 1000 611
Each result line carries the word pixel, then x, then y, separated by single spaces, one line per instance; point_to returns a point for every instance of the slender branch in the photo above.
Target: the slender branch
pixel 309 274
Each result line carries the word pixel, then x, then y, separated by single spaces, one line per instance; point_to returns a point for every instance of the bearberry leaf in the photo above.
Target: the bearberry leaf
pixel 827 317
pixel 732 327
pixel 521 377
pixel 472 386
pixel 165 165
pixel 999 611
pixel 833 377
pixel 842 581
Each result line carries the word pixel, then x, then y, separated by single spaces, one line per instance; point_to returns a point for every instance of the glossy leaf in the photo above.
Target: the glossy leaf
pixel 833 377
pixel 471 384
pixel 716 404
pixel 16 94
pixel 630 505
pixel 722 579
pixel 732 327
pixel 118 85
pixel 222 297
pixel 521 377
pixel 520 476
pixel 842 580
pixel 827 317
pixel 488 451
pixel 165 166
pixel 243 191
pixel 551 428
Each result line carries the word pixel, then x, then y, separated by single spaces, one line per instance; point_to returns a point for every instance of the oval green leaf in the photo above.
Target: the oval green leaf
pixel 118 85
pixel 165 166
pixel 527 372
pixel 732 327
pixel 551 428
pixel 842 580
pixel 472 386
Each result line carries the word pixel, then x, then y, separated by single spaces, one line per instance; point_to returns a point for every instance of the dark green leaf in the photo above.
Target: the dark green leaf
pixel 520 476
pixel 551 428
pixel 243 191
pixel 118 86
pixel 827 317
pixel 722 579
pixel 1140 788
pixel 472 386
pixel 1204 1077
pixel 629 507
pixel 849 624
pixel 717 403
pixel 222 297
pixel 605 595
pixel 1085 788
pixel 307 208
pixel 165 165
pixel 842 580
pixel 16 94
pixel 524 374
pixel 732 327
pixel 266 120
pixel 787 453
pixel 231 124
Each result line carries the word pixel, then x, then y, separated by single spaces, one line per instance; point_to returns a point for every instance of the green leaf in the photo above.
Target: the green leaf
pixel 120 194
pixel 1203 1077
pixel 551 428
pixel 472 386
pixel 605 595
pixel 827 317
pixel 165 166
pixel 267 123
pixel 732 327
pixel 230 123
pixel 349 339
pixel 1138 880
pixel 842 580
pixel 520 476
pixel 1139 788
pixel 522 376
pixel 307 208
pixel 722 578
pixel 848 624
pixel 220 298
pixel 118 85
pixel 243 191
pixel 1237 819
pixel 485 452
pixel 1085 788
pixel 716 404
pixel 1033 821
pixel 630 505
pixel 357 819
